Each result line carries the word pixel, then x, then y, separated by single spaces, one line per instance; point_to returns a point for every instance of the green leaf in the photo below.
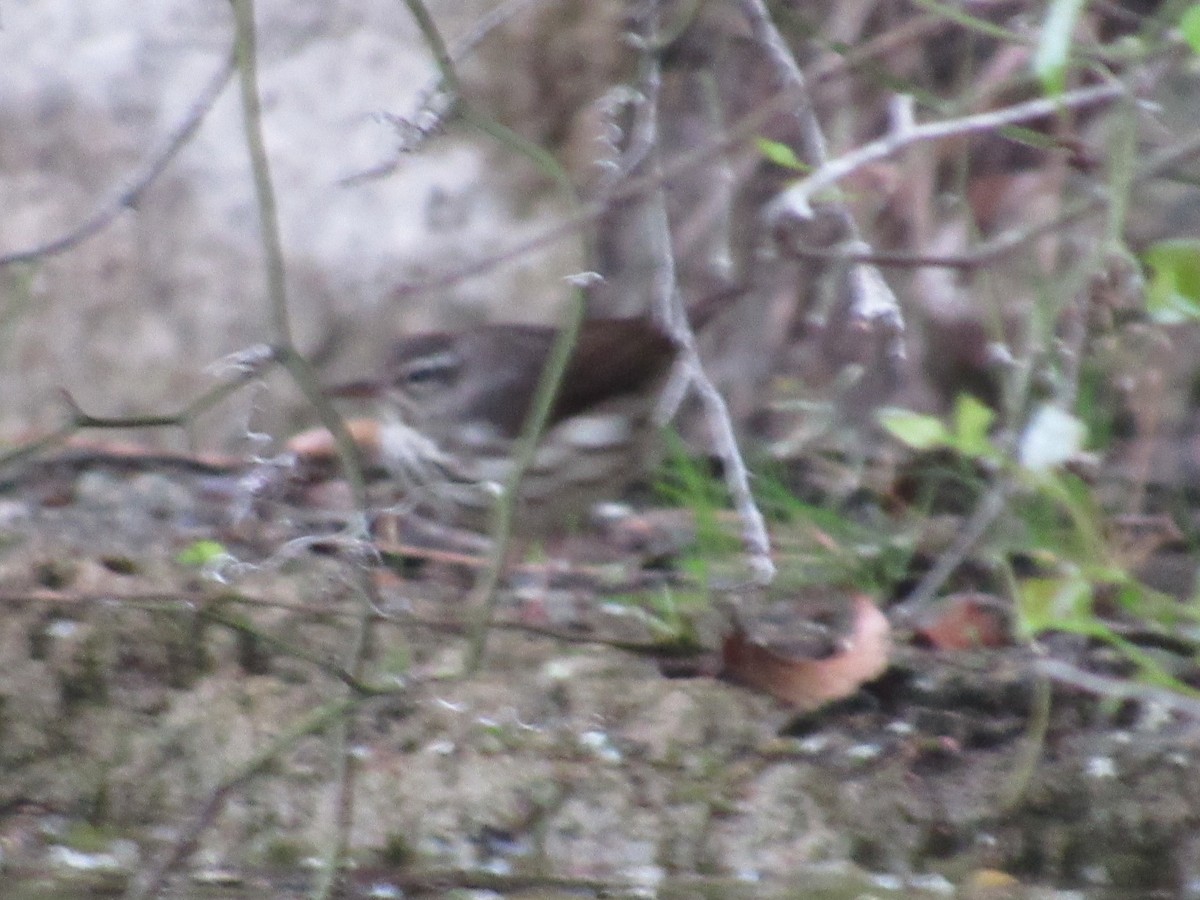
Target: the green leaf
pixel 1189 26
pixel 201 553
pixel 1053 49
pixel 972 419
pixel 916 430
pixel 781 155
pixel 1173 295
pixel 1061 603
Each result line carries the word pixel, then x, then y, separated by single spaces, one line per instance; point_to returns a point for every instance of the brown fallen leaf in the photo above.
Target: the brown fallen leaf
pixel 965 622
pixel 806 684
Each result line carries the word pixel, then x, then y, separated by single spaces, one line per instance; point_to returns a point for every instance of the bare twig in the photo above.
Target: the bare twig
pixel 297 366
pixel 484 595
pixel 985 514
pixel 984 253
pixel 1003 244
pixel 304 376
pixel 200 603
pixel 128 197
pixel 796 200
pixel 246 50
pixel 435 102
pixel 755 538
pixel 80 420
pixel 586 214
pixel 872 298
pixel 1118 688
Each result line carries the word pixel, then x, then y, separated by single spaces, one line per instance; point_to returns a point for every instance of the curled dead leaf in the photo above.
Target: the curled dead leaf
pixel 810 683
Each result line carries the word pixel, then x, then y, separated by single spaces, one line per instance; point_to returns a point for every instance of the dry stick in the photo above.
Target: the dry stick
pixel 486 592
pixel 969 22
pixel 128 197
pixel 195 604
pixel 755 539
pixel 480 881
pixel 746 126
pixel 955 14
pixel 80 420
pixel 306 379
pixel 436 100
pixel 589 212
pixel 904 34
pixel 427 119
pixel 795 201
pixel 991 250
pixel 287 648
pixel 484 595
pixel 872 297
pixel 971 532
pixel 1118 688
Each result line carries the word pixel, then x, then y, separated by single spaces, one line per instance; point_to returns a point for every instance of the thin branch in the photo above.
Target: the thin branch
pixel 1009 241
pixel 268 210
pixel 484 595
pixel 1118 688
pixel 755 538
pixel 586 214
pixel 128 197
pixel 872 298
pixel 306 379
pixel 986 513
pixel 796 200
pixel 80 420
pixel 981 255
pixel 352 678
pixel 435 101
pixel 200 603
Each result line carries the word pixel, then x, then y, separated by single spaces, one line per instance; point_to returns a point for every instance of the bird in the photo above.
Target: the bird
pixel 452 404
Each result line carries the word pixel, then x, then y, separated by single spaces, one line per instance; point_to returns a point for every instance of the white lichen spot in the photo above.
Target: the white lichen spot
pixel 864 752
pixel 600 744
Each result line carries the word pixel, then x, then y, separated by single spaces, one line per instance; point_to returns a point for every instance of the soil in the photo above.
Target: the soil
pixel 142 669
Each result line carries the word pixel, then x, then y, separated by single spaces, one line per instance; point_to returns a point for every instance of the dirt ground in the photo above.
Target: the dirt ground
pixel 134 682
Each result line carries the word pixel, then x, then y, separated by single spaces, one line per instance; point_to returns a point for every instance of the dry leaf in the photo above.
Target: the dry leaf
pixel 965 622
pixel 809 683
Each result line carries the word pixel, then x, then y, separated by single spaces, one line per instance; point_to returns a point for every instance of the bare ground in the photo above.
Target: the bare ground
pixel 133 683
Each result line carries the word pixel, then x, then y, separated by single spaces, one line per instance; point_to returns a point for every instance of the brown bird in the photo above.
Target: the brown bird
pixel 453 405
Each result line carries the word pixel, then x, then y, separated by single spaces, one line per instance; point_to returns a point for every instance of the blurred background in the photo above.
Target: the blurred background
pixel 131 320
pixel 136 318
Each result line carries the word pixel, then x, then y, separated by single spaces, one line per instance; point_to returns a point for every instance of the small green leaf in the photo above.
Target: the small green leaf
pixel 781 155
pixel 916 430
pixel 1063 603
pixel 1173 295
pixel 1189 27
pixel 972 419
pixel 201 553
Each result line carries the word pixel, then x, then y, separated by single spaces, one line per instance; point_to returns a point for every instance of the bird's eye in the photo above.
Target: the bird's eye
pixel 429 372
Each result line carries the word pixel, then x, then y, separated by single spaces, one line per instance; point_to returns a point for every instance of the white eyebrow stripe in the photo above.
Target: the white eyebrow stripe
pixel 444 361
